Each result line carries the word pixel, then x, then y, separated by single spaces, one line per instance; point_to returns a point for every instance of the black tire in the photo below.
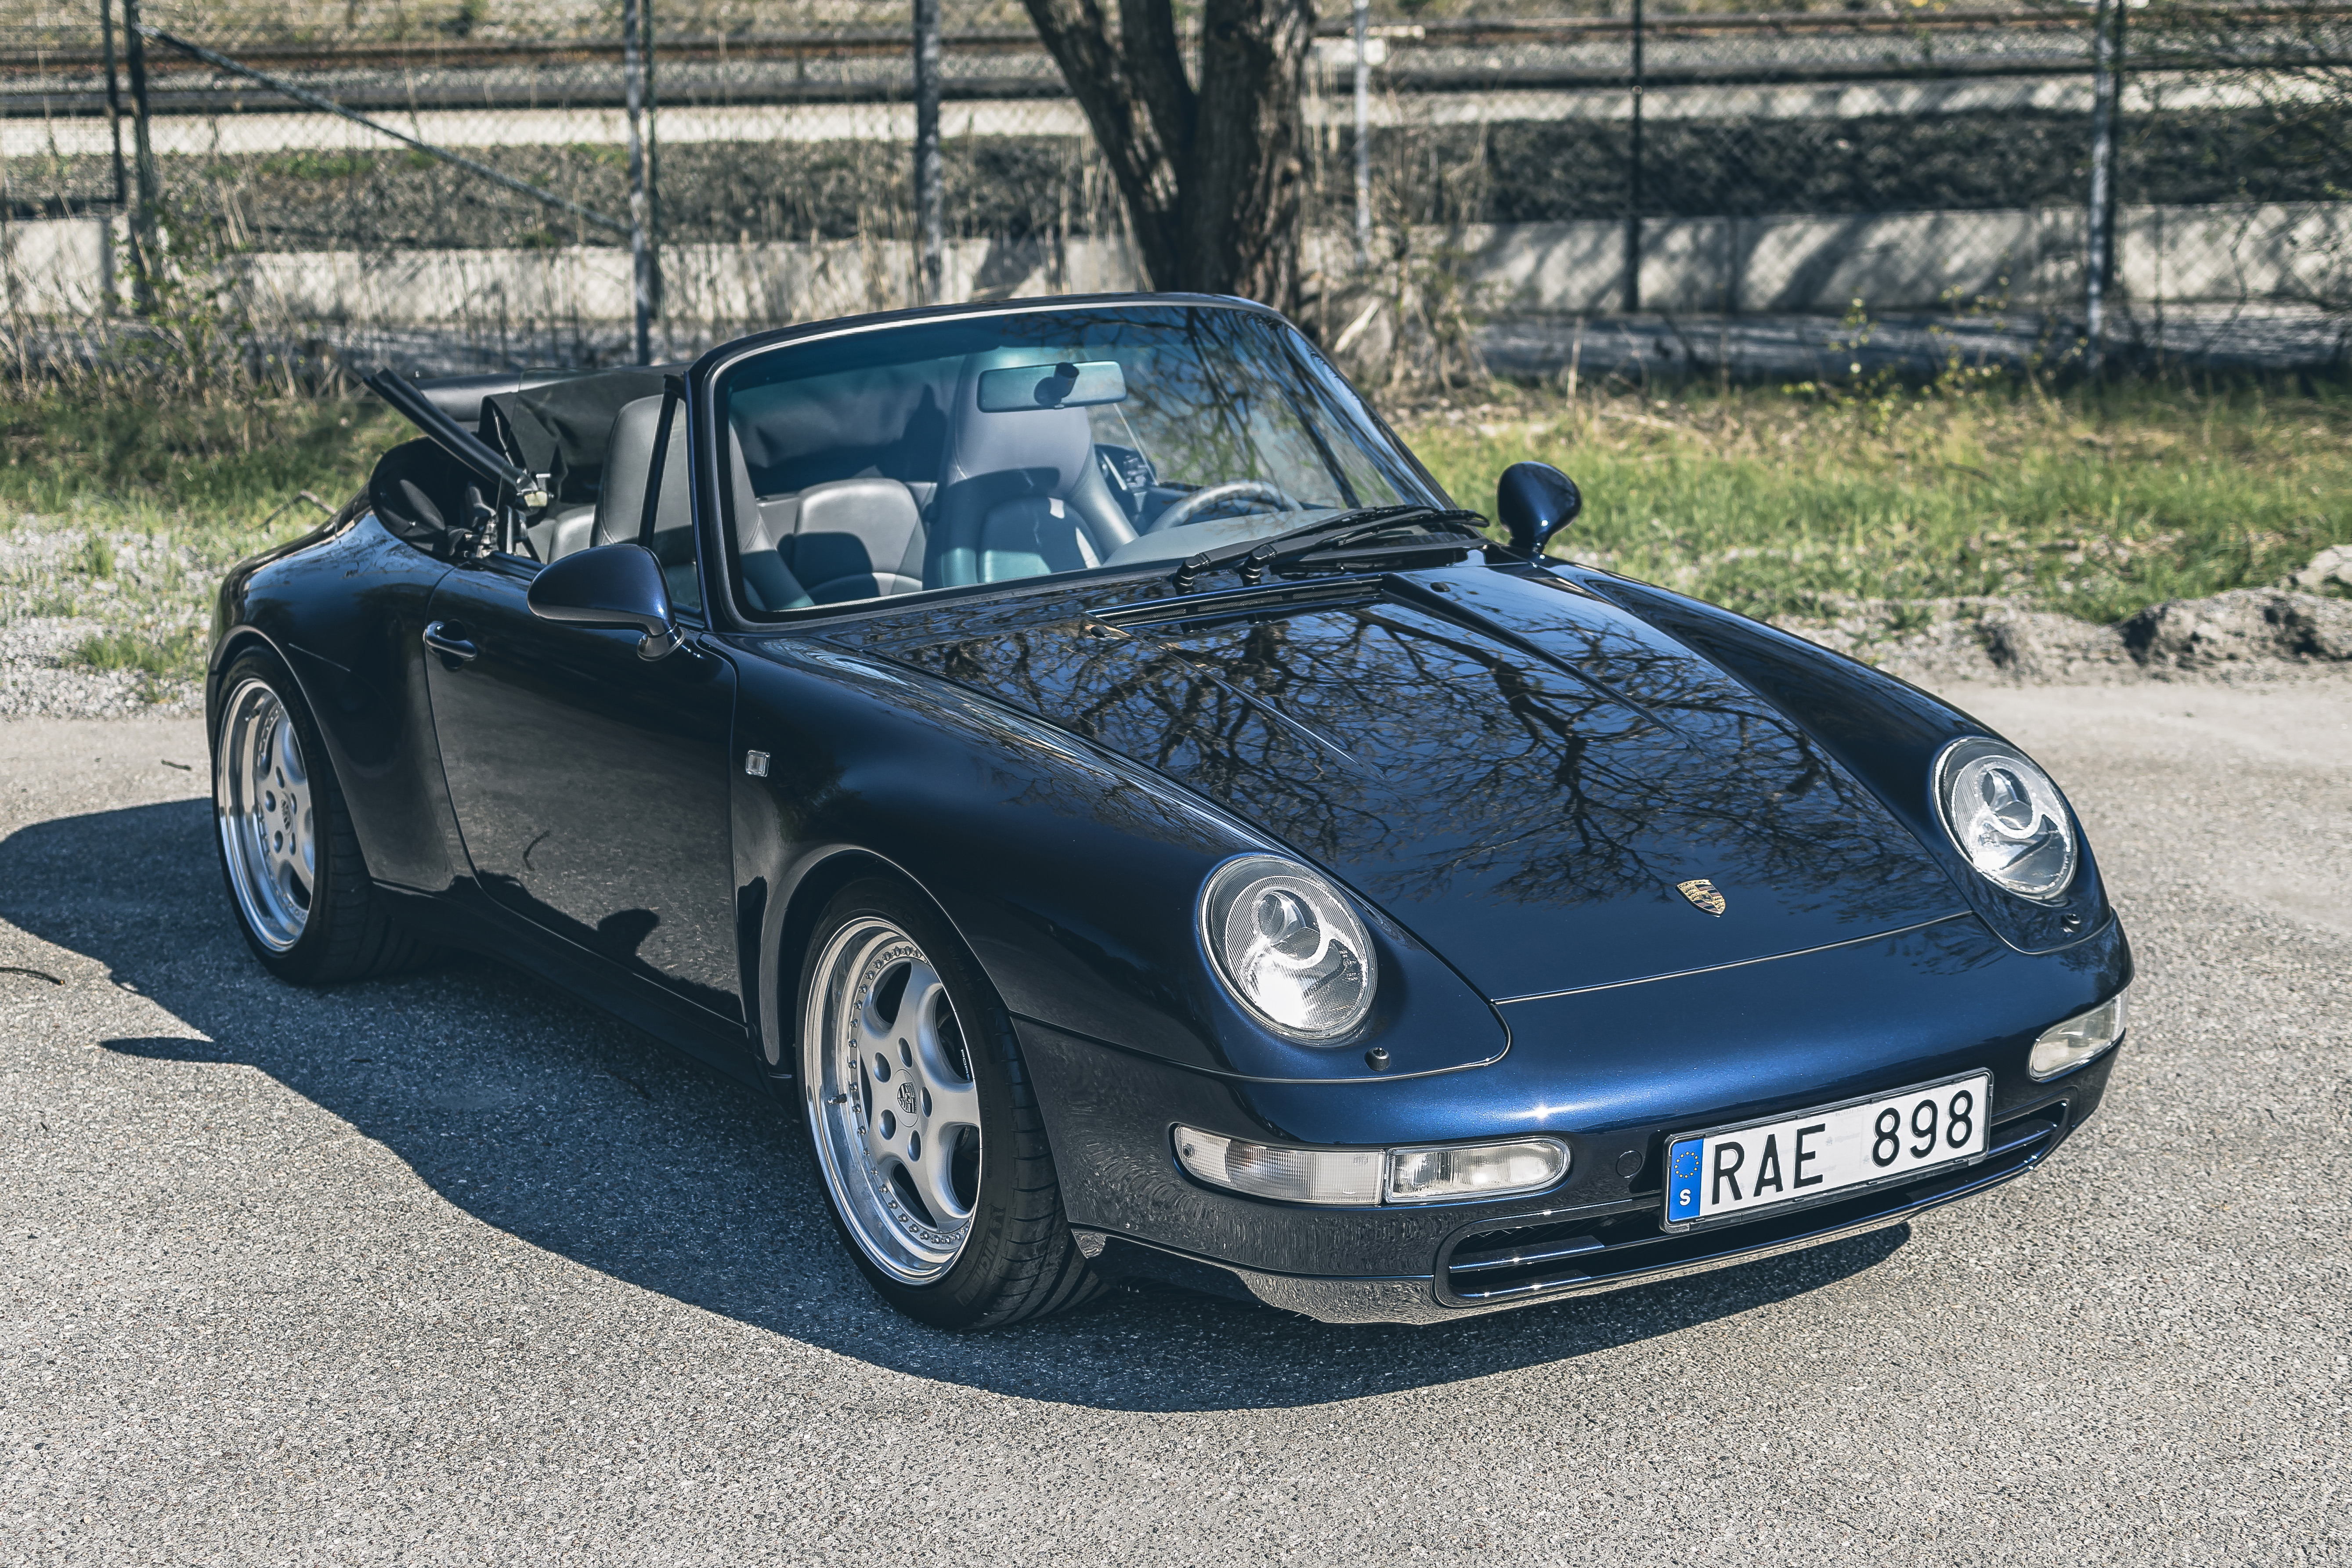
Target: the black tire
pixel 1018 1260
pixel 345 932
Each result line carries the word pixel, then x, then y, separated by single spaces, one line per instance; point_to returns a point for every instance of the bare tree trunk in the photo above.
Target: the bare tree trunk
pixel 1241 192
pixel 1211 178
pixel 1140 105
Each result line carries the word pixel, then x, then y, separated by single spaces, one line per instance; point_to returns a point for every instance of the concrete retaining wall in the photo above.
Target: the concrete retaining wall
pixel 64 268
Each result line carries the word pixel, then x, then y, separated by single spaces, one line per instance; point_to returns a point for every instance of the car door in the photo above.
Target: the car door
pixel 590 786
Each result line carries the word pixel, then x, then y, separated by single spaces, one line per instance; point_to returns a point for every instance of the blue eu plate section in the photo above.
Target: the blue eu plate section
pixel 1683 1179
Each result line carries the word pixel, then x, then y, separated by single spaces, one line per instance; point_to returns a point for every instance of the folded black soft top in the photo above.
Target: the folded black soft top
pixel 551 422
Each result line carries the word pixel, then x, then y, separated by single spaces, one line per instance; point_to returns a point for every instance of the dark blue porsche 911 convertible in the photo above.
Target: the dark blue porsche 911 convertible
pixel 1075 754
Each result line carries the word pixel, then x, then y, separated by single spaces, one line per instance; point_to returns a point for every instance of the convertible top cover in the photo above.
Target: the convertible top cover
pixel 556 423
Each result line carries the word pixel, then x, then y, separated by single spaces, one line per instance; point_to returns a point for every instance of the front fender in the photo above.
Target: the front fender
pixel 1070 873
pixel 1885 732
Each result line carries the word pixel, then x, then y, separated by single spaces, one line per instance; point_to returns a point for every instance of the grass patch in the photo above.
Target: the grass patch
pixel 141 653
pixel 1787 504
pixel 212 467
pixel 161 659
pixel 126 514
pixel 97 556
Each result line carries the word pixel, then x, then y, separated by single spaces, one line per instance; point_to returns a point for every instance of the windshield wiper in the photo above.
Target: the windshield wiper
pixel 1418 528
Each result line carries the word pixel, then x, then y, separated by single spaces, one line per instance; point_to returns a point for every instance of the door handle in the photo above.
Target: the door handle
pixel 446 640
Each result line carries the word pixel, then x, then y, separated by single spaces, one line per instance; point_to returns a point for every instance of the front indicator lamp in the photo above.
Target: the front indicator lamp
pixel 1475 1170
pixel 2066 1047
pixel 1292 1175
pixel 1366 1176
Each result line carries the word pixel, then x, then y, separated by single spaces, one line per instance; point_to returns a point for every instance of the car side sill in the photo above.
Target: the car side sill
pixel 446 919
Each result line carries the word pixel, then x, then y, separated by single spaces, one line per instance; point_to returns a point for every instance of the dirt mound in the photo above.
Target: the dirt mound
pixel 2257 634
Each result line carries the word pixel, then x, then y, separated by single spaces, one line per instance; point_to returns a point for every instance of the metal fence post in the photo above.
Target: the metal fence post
pixel 641 255
pixel 1633 181
pixel 1363 133
pixel 2099 258
pixel 930 235
pixel 144 260
pixel 113 101
pixel 652 153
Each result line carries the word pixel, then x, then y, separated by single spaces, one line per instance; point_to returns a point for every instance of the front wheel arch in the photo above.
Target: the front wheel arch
pixel 804 888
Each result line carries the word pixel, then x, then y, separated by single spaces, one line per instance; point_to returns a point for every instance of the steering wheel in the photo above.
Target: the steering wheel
pixel 1199 500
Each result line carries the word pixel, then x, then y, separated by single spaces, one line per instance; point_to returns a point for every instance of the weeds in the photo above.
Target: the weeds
pixel 165 663
pixel 168 655
pixel 114 461
pixel 2095 501
pixel 1792 504
pixel 126 514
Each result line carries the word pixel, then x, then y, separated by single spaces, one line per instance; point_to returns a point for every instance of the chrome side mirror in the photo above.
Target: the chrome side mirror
pixel 615 585
pixel 1533 501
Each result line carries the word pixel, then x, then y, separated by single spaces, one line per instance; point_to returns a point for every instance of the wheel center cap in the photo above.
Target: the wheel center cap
pixel 907 1096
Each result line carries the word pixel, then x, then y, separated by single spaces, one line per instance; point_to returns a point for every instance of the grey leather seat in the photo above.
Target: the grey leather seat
pixel 829 476
pixel 561 531
pixel 846 538
pixel 621 503
pixel 1021 494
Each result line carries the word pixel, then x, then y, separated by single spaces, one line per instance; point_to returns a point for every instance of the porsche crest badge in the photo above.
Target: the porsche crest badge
pixel 1701 892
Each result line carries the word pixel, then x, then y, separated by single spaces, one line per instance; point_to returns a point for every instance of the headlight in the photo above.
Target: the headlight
pixel 1365 1177
pixel 1287 944
pixel 2006 817
pixel 2067 1046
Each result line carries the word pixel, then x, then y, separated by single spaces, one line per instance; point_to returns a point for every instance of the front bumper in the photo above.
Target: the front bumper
pixel 1518 1260
pixel 1139 1216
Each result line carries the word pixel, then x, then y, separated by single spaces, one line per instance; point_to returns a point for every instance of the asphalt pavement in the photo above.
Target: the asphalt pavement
pixel 453 1269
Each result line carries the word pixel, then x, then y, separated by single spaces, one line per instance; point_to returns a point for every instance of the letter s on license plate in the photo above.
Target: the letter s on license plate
pixel 1748 1170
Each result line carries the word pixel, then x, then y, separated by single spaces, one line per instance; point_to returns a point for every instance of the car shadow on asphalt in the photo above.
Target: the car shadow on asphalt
pixel 580 1135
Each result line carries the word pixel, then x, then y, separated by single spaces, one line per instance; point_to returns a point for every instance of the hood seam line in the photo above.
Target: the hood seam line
pixel 1734 963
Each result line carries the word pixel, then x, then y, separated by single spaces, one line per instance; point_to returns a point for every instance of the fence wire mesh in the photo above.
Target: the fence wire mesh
pixel 1540 179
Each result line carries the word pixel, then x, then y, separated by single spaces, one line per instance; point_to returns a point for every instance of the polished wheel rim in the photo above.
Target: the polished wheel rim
pixel 887 1078
pixel 262 801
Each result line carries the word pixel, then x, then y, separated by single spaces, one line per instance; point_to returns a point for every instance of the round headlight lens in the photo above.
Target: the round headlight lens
pixel 1288 945
pixel 2007 817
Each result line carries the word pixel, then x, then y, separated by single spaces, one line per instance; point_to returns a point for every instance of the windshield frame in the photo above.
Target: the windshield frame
pixel 724 598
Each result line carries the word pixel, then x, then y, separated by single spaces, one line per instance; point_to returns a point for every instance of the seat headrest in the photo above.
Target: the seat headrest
pixel 628 462
pixel 1054 446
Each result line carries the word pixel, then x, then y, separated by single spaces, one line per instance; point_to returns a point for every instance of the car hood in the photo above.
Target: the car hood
pixel 1547 790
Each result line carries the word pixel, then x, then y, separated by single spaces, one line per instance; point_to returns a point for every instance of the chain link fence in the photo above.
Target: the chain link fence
pixel 1685 187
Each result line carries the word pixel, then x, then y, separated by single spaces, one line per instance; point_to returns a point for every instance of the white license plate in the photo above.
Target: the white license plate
pixel 1746 1170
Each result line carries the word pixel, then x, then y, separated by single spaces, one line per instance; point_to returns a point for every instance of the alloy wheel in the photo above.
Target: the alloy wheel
pixel 891 1101
pixel 262 804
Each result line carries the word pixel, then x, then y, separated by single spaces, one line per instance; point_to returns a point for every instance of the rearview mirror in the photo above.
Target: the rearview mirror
pixel 1533 501
pixel 615 585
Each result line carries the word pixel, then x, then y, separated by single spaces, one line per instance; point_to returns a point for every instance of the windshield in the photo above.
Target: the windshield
pixel 941 453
